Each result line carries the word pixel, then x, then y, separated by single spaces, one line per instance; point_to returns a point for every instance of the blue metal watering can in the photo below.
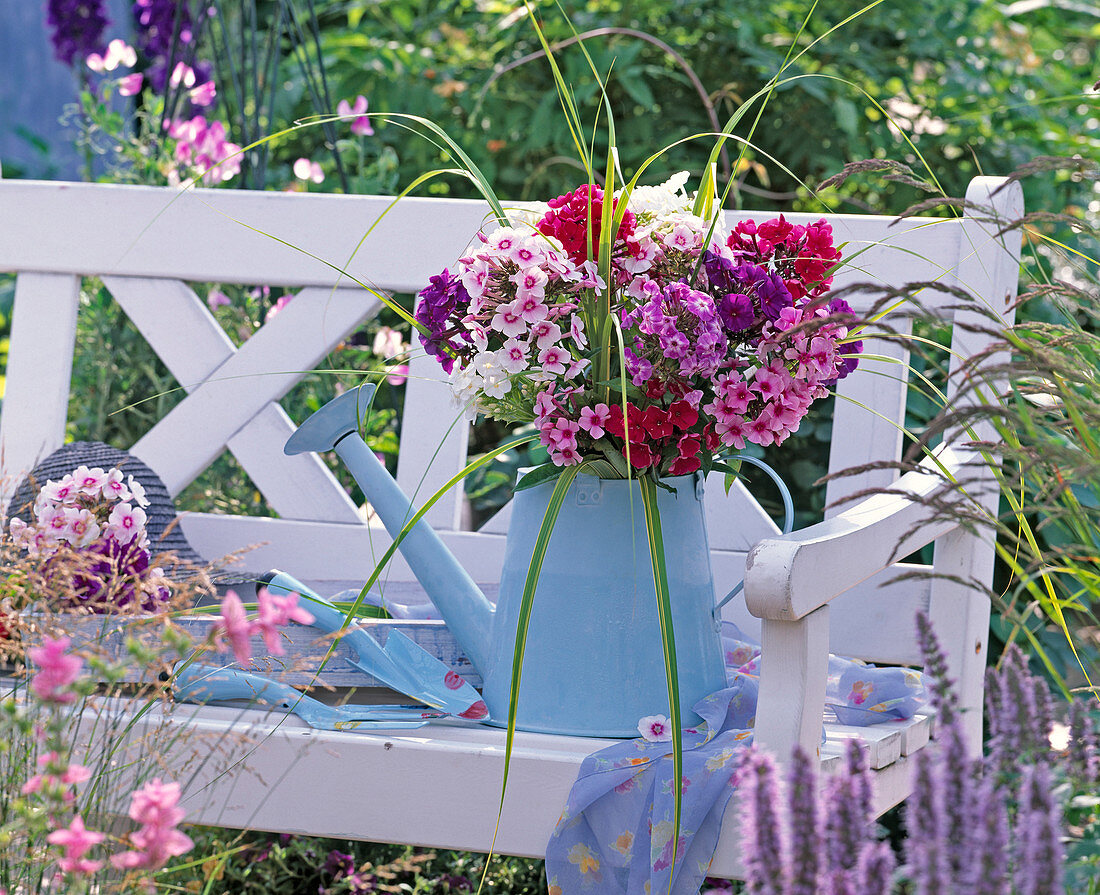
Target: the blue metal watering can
pixel 593 663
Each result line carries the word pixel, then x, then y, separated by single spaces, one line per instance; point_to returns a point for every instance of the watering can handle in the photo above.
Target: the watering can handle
pixel 788 516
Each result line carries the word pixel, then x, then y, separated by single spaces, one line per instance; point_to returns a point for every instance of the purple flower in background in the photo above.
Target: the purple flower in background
pixel 437 300
pixel 1084 750
pixel 77 28
pixel 157 21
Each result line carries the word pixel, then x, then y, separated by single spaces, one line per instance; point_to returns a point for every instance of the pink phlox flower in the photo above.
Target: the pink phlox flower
pixel 655 729
pixel 732 431
pixel 126 522
pixel 530 308
pixel 57 670
pixel 360 125
pixel 762 430
pixel 19 533
pixel 58 492
pixel 89 481
pixel 81 526
pixel 513 356
pixel 526 253
pixel 566 455
pixel 553 360
pixel 118 53
pixel 576 332
pixel 76 774
pixel 768 384
pixel 113 487
pixel 590 276
pixel 530 285
pixel 545 334
pixel 281 302
pixel 509 320
pixel 76 840
pixel 130 85
pixel 137 492
pixel 234 625
pixel 304 169
pixel 593 419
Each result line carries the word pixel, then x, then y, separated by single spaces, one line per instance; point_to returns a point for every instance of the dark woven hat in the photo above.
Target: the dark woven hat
pixel 164 536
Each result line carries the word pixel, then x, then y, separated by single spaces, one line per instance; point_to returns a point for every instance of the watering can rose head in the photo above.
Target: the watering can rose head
pixel 725 339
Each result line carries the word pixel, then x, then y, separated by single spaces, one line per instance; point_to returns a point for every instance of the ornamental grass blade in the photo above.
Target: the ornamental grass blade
pixel 668 643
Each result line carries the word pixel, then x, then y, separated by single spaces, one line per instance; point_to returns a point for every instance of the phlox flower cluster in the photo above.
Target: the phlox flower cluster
pixel 726 339
pixel 90 528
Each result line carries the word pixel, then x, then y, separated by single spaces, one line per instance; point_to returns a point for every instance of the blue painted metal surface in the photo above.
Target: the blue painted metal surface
pixel 593 663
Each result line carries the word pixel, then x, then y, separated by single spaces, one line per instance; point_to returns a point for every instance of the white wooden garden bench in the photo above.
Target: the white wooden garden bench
pixel 829 587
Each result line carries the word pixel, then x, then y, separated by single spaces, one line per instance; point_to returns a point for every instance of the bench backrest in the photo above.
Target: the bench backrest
pixel 147 243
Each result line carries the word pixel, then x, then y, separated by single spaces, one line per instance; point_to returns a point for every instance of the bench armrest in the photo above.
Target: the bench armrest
pixel 789 576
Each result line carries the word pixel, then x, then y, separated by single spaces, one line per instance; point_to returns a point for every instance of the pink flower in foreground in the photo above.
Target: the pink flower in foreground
pixel 655 729
pixel 57 669
pixel 361 124
pixel 281 302
pixel 234 624
pixel 204 94
pixel 274 613
pixel 155 806
pixel 76 840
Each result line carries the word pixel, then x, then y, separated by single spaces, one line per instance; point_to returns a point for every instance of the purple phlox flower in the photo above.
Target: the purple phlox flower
pixel 438 303
pixel 988 864
pixel 762 843
pixel 1040 856
pixel 925 824
pixel 77 28
pixel 736 312
pixel 839 308
pixel 804 824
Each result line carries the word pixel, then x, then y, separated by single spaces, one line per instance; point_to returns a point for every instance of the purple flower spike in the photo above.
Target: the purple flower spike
pixel 924 821
pixel 875 870
pixel 1039 831
pixel 762 846
pixel 804 823
pixel 77 28
pixel 848 824
pixel 1084 751
pixel 957 771
pixel 944 700
pixel 988 872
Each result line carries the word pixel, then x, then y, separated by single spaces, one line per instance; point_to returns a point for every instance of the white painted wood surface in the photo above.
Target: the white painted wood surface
pixel 147 243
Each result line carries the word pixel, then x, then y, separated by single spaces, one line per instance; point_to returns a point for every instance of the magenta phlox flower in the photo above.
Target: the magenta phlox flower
pixel 593 419
pixel 360 125
pixel 57 670
pixel 77 841
pixel 234 626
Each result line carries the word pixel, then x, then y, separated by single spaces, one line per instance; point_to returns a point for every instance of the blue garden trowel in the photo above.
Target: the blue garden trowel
pixel 401 664
pixel 207 683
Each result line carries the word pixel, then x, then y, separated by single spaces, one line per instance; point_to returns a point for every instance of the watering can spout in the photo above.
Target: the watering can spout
pixel 336 427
